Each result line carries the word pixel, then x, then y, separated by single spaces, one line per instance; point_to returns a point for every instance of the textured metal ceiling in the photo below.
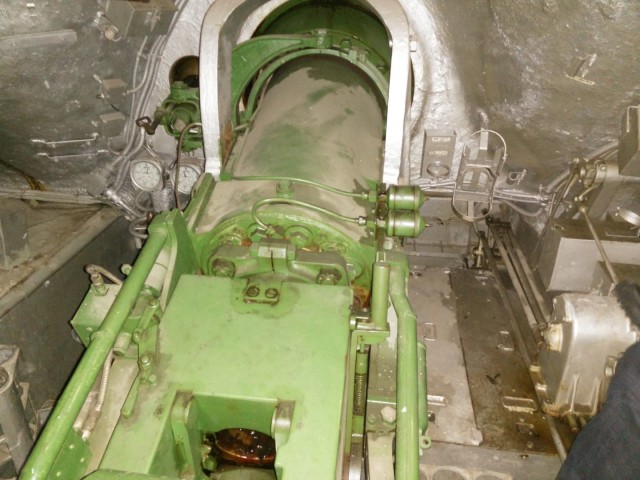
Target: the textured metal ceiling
pixel 52 56
pixel 553 76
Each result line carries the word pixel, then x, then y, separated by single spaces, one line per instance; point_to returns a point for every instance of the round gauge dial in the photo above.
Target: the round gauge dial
pixel 188 175
pixel 146 175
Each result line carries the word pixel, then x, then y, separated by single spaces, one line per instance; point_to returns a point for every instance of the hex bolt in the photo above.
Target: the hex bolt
pixel 271 293
pixel 223 268
pixel 145 360
pixel 253 291
pixel 388 414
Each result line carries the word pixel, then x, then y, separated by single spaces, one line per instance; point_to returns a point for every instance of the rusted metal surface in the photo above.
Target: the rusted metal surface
pixel 241 446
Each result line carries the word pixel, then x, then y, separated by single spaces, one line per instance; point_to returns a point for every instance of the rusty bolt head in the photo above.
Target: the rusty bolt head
pixel 328 276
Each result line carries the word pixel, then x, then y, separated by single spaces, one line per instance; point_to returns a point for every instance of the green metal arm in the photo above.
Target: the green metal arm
pixel 407 430
pixel 52 440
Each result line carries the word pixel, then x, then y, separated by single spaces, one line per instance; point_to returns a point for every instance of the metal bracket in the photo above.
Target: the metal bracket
pixel 260 291
pixel 145 336
pixel 183 423
pixel 74 156
pixel 57 143
pixel 579 68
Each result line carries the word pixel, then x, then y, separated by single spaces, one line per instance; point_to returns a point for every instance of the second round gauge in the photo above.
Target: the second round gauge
pixel 188 175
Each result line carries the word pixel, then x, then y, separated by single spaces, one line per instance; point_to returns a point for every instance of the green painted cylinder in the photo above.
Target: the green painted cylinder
pixel 404 223
pixel 405 197
pixel 320 119
pixel 380 295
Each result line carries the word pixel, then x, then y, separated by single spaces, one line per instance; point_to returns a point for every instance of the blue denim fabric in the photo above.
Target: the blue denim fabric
pixel 609 445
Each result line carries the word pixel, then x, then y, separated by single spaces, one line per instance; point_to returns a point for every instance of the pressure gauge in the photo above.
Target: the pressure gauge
pixel 146 174
pixel 188 174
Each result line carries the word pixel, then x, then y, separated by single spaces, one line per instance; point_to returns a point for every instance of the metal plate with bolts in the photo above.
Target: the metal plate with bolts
pixel 503 396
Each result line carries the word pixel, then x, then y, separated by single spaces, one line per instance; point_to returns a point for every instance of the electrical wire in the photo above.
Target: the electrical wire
pixel 177 165
pixel 564 186
pixel 522 211
pixel 136 202
pixel 298 203
pixel 92 269
pixel 135 68
pixel 129 130
pixel 139 99
pixel 328 188
pixel 134 225
pixel 607 149
pixel 556 182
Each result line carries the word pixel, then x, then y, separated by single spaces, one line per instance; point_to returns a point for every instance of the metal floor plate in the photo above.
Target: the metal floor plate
pixel 485 422
pixel 452 417
pixel 445 461
pixel 503 397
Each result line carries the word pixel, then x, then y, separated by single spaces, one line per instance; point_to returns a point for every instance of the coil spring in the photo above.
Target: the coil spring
pixel 359 395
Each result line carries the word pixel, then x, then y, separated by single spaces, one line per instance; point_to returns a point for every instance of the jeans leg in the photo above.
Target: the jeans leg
pixel 609 445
